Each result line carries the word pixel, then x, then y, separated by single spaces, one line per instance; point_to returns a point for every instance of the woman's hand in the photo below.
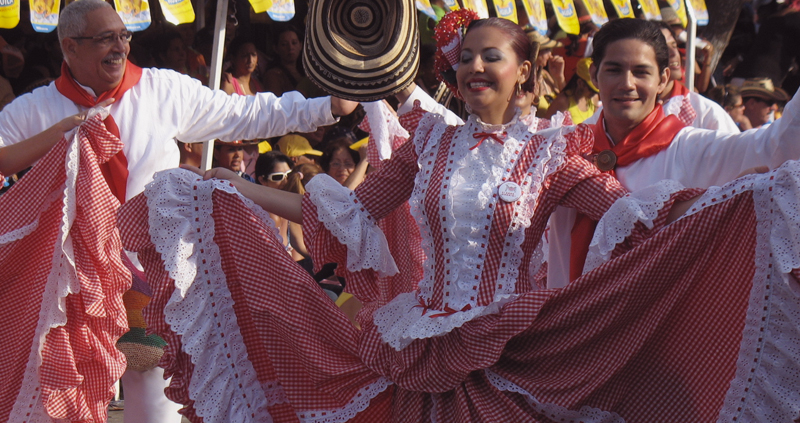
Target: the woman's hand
pixel 217 172
pixel 70 122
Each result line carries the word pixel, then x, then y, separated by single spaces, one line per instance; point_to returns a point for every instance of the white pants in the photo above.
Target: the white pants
pixel 145 401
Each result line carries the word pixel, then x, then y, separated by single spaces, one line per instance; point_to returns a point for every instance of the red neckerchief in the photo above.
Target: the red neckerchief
pixel 678 89
pixel 115 171
pixel 653 135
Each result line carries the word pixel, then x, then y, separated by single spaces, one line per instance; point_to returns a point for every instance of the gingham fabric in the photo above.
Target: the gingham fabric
pixel 687 113
pixel 63 277
pixel 696 323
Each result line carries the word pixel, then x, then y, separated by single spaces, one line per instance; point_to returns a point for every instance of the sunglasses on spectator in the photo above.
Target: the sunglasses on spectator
pixel 278 176
pixel 108 38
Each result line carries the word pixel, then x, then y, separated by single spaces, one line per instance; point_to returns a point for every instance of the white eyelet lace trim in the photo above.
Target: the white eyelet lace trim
pixel 343 215
pixel 555 412
pixel 357 404
pixel 62 281
pixel 224 384
pixel 384 127
pixel 766 387
pixel 618 222
pixel 403 320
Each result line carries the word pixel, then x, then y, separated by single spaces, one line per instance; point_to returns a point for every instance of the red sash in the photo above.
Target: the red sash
pixel 679 89
pixel 115 171
pixel 654 134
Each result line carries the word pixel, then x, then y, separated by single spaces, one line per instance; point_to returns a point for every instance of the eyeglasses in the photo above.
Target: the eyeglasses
pixel 108 38
pixel 278 176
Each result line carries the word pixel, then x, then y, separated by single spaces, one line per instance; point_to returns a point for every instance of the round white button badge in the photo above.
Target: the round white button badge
pixel 510 192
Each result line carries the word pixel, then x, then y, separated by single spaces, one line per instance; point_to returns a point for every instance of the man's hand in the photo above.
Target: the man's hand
pixel 341 107
pixel 217 172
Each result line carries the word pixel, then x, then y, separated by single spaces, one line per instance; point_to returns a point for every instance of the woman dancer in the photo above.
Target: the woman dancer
pixel 477 341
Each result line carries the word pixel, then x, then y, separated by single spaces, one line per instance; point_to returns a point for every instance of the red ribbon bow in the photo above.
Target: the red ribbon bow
pixel 486 135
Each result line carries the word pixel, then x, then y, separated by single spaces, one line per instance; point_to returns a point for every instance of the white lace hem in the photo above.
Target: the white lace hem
pixel 404 319
pixel 618 222
pixel 341 212
pixel 766 387
pixel 357 404
pixel 224 385
pixel 384 127
pixel 553 411
pixel 61 281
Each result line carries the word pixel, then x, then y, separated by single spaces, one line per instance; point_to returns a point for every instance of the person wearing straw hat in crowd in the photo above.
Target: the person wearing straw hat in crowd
pixel 298 149
pixel 761 100
pixel 549 70
pixel 152 108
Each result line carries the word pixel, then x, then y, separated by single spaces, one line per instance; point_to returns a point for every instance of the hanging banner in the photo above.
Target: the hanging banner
pixel 597 11
pixel 425 7
pixel 177 12
pixel 261 6
pixel 651 10
pixel 506 9
pixel 478 6
pixel 623 8
pixel 566 16
pixel 44 15
pixel 536 15
pixel 700 11
pixel 9 13
pixel 281 10
pixel 451 5
pixel 135 14
pixel 680 9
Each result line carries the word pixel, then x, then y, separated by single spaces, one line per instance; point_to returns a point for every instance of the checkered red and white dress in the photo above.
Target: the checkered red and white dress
pixel 689 322
pixel 63 280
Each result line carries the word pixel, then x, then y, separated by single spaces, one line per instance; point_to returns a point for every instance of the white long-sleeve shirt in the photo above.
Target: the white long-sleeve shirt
pixel 697 158
pixel 165 106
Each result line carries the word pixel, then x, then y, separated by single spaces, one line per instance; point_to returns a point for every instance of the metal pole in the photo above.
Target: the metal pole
pixel 691 41
pixel 216 69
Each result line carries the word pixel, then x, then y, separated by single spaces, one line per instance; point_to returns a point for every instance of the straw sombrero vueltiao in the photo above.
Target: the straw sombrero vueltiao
pixel 361 50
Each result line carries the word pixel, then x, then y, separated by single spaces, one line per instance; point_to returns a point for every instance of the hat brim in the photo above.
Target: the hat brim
pixel 362 51
pixel 778 95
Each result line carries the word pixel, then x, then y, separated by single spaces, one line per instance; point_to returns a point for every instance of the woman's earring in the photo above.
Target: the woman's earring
pixel 519 89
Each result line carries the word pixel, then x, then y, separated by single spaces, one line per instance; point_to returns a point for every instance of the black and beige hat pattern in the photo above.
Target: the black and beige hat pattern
pixel 362 50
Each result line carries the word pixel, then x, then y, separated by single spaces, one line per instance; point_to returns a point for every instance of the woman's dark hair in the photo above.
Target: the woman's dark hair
pixel 236 45
pixel 162 46
pixel 332 148
pixel 266 162
pixel 624 29
pixel 516 36
pixel 724 95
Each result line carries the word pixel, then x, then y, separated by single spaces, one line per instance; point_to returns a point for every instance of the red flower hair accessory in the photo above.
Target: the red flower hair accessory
pixel 449 34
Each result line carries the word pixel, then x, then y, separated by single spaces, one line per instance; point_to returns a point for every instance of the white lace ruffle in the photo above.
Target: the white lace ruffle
pixel 61 282
pixel 475 174
pixel 554 412
pixel 618 222
pixel 343 215
pixel 384 127
pixel 224 385
pixel 402 320
pixel 766 387
pixel 357 404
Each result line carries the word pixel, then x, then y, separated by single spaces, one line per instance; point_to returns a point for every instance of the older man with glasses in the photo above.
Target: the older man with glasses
pixel 151 109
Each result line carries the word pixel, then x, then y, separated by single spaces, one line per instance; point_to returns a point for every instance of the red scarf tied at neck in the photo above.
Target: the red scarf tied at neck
pixel 115 171
pixel 653 135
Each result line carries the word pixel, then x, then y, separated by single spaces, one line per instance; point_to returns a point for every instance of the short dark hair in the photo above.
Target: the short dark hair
pixel 266 162
pixel 628 28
